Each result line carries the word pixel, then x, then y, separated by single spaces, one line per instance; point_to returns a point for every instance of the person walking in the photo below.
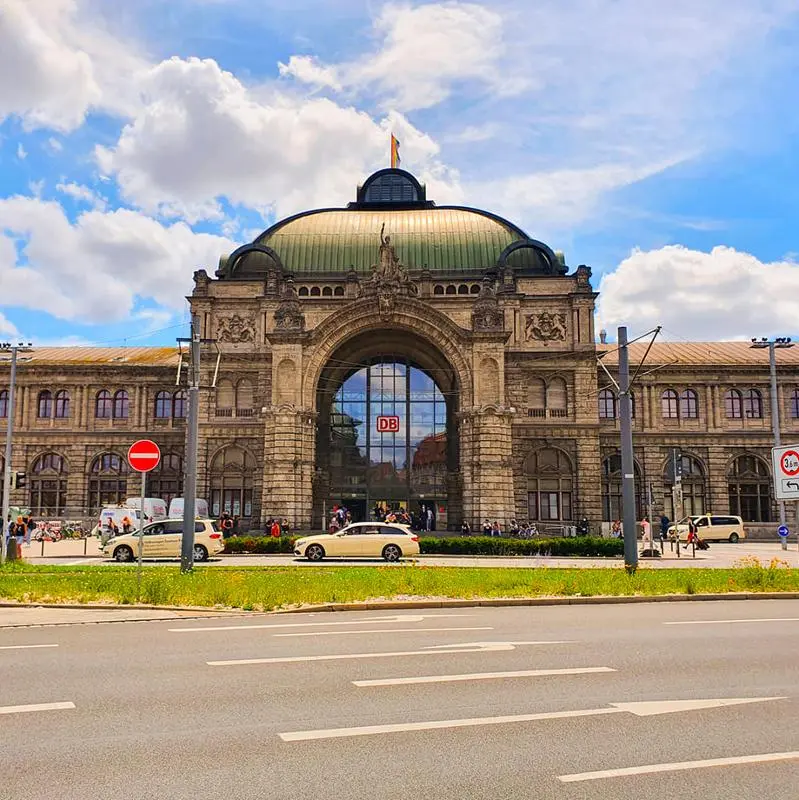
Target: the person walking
pixel 645 531
pixel 275 529
pixel 30 527
pixel 664 527
pixel 465 530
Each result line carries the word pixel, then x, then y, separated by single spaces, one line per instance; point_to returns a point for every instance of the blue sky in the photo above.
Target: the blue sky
pixel 652 140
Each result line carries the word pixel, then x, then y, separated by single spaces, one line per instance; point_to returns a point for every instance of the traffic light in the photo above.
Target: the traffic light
pixel 19 480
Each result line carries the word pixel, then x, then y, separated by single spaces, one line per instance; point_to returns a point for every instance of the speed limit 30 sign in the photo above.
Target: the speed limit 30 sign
pixel 786 472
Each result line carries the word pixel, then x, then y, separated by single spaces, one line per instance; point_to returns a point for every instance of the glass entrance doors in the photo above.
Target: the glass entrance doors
pixel 387 442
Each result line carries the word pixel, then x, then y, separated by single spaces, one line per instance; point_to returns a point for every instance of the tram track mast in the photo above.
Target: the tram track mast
pixel 192 434
pixel 624 388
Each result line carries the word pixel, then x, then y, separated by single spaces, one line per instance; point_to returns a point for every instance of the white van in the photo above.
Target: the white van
pixel 177 505
pixel 154 507
pixel 116 513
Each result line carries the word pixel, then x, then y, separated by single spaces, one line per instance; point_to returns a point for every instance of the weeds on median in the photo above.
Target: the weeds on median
pixel 265 588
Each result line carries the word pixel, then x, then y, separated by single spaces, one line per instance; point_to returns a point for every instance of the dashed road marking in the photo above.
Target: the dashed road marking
pixel 481 676
pixel 35 707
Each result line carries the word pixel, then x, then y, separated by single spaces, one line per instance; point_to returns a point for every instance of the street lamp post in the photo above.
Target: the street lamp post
pixel 13 350
pixel 773 345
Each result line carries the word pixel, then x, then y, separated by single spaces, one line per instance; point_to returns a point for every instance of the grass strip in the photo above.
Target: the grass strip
pixel 267 588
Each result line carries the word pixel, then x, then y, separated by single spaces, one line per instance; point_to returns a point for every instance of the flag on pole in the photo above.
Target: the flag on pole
pixel 395 156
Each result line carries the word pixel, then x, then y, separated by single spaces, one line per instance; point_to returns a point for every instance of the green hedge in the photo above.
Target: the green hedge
pixel 459 545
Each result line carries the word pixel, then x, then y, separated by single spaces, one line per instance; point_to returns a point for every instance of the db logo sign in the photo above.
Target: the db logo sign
pixel 388 424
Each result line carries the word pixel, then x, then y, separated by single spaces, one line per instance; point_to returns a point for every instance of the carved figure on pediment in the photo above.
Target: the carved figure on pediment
pixel 289 315
pixel 583 275
pixel 236 329
pixel 389 278
pixel 201 281
pixel 487 314
pixel 546 326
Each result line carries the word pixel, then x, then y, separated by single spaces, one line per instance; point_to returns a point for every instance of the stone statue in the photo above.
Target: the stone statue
pixel 389 278
pixel 388 267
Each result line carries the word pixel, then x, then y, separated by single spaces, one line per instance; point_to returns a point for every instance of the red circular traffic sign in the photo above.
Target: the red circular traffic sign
pixel 144 455
pixel 789 463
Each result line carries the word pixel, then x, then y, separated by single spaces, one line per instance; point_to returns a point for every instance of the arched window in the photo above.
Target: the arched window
pixel 733 404
pixel 244 395
pixel 607 404
pixel 338 291
pixel 693 487
pixel 166 480
pixel 108 481
pixel 753 404
pixel 794 404
pixel 225 398
pixel 451 289
pixel 232 471
pixel 749 486
pixel 45 405
pixel 612 489
pixel 689 404
pixel 475 289
pixel 4 404
pixel 62 404
pixel 438 289
pixel 180 405
pixel 549 485
pixel 121 404
pixel 537 397
pixel 670 404
pixel 48 485
pixel 303 292
pixel 463 289
pixel 163 405
pixel 103 405
pixel 327 291
pixel 315 291
pixel 557 398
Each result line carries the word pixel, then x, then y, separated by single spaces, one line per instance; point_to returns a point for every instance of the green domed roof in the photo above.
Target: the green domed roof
pixel 443 239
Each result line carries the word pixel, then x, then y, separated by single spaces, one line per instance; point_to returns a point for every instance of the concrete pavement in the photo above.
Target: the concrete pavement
pixel 71 553
pixel 478 703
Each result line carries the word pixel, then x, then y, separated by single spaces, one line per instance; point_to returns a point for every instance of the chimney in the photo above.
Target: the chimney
pixel 603 336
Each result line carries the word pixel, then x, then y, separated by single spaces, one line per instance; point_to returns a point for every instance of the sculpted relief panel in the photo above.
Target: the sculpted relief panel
pixel 545 327
pixel 236 329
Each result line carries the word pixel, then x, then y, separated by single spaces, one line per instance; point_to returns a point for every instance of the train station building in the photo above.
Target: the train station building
pixel 396 352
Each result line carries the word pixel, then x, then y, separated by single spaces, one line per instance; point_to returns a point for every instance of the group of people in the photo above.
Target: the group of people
pixel 21 529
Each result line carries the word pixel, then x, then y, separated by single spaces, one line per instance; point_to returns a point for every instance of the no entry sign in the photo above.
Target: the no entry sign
pixel 144 455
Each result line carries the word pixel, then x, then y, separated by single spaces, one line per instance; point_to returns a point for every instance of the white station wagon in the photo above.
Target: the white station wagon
pixel 361 540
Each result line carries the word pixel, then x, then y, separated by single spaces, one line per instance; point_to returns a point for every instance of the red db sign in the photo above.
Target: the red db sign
pixel 388 424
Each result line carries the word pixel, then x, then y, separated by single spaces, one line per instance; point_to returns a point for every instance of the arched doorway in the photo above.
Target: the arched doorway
pixel 387 431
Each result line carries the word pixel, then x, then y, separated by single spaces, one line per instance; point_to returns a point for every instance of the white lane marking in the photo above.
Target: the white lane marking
pixel 485 644
pixel 481 676
pixel 639 709
pixel 477 647
pixel 35 707
pixel 375 630
pixel 25 646
pixel 731 621
pixel 678 766
pixel 372 621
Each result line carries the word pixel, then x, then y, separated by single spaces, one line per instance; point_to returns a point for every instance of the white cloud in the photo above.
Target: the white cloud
pixel 723 294
pixel 7 327
pixel 202 134
pixel 83 194
pixel 54 145
pixel 307 69
pixel 94 268
pixel 56 64
pixel 22 153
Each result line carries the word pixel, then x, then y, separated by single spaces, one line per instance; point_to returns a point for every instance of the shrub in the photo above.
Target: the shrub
pixel 260 544
pixel 497 546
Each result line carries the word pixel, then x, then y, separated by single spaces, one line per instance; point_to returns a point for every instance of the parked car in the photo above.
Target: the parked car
pixel 711 528
pixel 116 513
pixel 164 539
pixel 361 540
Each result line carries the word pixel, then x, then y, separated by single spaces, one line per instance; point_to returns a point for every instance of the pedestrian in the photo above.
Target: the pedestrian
pixel 486 527
pixel 428 519
pixel 664 527
pixel 226 523
pixel 615 529
pixel 30 528
pixel 235 529
pixel 496 530
pixel 275 529
pixel 284 528
pixel 465 530
pixel 513 528
pixel 645 531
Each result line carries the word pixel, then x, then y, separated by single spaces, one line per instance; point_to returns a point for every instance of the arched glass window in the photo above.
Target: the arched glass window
pixel 163 405
pixel 607 404
pixel 794 404
pixel 315 291
pixel 244 395
pixel 108 481
pixel 45 405
pixel 438 289
pixel 549 485
pixel 733 404
pixel 179 405
pixel 463 289
pixel 338 291
pixel 557 397
pixel 327 291
pixel 121 404
pixel 753 404
pixel 612 489
pixel 689 404
pixel 451 289
pixel 670 404
pixel 693 487
pixel 232 472
pixel 749 486
pixel 103 405
pixel 48 485
pixel 475 289
pixel 537 397
pixel 62 404
pixel 4 404
pixel 166 480
pixel 303 292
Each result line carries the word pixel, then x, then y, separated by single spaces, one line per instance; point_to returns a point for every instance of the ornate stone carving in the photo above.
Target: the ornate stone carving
pixel 389 279
pixel 201 281
pixel 487 314
pixel 545 327
pixel 236 329
pixel 583 275
pixel 289 315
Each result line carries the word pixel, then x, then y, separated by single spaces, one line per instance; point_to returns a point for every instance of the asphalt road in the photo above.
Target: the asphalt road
pixel 167 709
pixel 720 555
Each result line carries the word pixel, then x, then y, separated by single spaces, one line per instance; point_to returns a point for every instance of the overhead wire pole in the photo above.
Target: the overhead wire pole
pixel 627 463
pixel 190 484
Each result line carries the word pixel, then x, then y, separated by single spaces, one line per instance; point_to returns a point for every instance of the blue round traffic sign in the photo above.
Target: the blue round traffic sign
pixel 783 530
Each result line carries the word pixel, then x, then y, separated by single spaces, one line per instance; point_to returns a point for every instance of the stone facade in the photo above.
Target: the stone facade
pixel 530 432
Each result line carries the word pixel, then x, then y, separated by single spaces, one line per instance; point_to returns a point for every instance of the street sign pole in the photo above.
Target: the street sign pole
pixel 141 533
pixel 190 484
pixel 785 466
pixel 143 456
pixel 627 462
pixel 7 462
